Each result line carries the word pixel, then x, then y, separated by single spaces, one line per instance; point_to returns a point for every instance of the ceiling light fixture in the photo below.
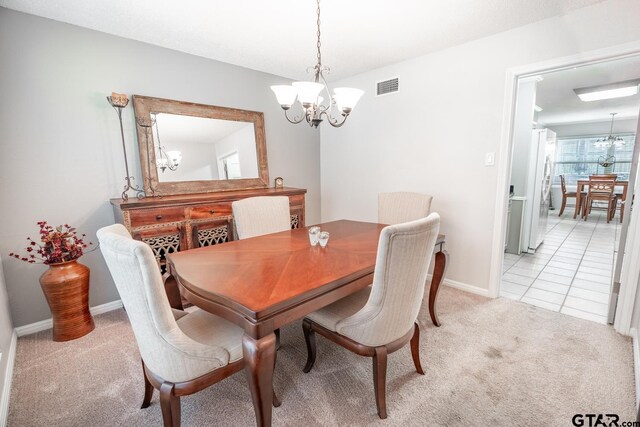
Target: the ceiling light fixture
pixel 308 93
pixel 610 140
pixel 615 90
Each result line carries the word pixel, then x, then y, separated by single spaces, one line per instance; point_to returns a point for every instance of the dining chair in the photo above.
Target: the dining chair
pixel 613 176
pixel 567 194
pixel 382 318
pixel 402 206
pixel 256 216
pixel 601 189
pixel 182 353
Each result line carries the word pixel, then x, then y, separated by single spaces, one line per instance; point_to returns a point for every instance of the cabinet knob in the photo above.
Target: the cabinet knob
pixel 212 211
pixel 158 217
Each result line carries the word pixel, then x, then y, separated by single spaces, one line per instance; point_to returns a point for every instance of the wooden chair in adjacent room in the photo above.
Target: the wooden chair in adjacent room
pixel 612 176
pixel 567 194
pixel 601 190
pixel 402 206
pixel 382 318
pixel 182 353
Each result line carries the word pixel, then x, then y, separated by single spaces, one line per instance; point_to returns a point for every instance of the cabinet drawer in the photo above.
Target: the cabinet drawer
pixel 141 217
pixel 214 210
pixel 296 200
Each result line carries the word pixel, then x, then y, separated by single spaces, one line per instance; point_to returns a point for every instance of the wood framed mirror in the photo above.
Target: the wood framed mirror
pixel 197 148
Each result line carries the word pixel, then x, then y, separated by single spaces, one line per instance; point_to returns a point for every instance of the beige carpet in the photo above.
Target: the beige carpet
pixel 492 363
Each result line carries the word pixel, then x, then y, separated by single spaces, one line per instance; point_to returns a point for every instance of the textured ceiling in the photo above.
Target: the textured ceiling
pixel 561 105
pixel 278 36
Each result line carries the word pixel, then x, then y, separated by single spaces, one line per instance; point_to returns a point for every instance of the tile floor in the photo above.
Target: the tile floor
pixel 571 272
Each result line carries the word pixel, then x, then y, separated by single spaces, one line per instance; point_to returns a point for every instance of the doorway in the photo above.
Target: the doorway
pixel 556 257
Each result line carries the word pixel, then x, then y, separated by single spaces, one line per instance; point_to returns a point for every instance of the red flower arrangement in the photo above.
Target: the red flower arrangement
pixel 59 244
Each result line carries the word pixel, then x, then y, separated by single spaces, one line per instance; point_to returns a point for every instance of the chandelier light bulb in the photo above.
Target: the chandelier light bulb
pixel 286 95
pixel 347 98
pixel 308 92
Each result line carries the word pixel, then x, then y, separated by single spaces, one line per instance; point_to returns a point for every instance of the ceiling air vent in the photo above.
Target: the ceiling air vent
pixel 386 87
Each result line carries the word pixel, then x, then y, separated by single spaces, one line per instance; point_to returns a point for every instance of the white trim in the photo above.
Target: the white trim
pixel 462 286
pixel 466 287
pixel 103 308
pixel 504 158
pixel 8 378
pixel 630 274
pixel 636 362
pixel 43 325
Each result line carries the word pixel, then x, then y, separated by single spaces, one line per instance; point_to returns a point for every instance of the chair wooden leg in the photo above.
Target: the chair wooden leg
pixel 148 390
pixel 415 349
pixel 277 332
pixel 310 339
pixel 170 405
pixel 564 204
pixel 587 209
pixel 380 380
pixel 609 207
pixel 276 402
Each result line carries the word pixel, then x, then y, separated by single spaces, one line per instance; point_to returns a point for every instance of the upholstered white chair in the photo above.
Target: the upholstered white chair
pixel 382 318
pixel 402 206
pixel 182 353
pixel 256 216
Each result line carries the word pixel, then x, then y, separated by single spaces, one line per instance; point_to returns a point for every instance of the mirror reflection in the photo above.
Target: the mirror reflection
pixel 189 148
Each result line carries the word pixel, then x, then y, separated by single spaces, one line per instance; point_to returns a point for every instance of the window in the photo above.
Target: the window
pixel 577 158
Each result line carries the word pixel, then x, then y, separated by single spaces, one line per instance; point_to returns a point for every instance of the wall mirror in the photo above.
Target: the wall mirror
pixel 196 148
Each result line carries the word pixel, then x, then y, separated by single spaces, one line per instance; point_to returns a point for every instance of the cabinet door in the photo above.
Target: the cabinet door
pixel 297 217
pixel 163 240
pixel 213 232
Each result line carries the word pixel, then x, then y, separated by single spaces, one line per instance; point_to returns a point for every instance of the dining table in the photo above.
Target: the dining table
pixel 581 183
pixel 264 283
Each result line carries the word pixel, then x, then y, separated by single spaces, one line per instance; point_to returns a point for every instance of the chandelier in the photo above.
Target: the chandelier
pixel 610 140
pixel 314 108
pixel 165 159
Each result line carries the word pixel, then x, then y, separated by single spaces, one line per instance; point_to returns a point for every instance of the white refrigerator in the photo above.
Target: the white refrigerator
pixel 539 180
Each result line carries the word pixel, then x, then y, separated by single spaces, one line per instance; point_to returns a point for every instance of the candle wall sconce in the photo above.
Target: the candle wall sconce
pixel 119 101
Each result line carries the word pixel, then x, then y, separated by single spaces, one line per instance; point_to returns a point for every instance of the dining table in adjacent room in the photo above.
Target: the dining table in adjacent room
pixel 581 183
pixel 264 283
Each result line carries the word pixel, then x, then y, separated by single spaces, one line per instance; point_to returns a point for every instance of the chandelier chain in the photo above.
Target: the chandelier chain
pixel 318 44
pixel 613 115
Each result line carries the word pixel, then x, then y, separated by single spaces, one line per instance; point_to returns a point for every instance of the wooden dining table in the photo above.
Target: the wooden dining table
pixel 264 283
pixel 585 182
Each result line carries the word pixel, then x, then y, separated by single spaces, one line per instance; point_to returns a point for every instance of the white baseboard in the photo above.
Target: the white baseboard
pixel 8 378
pixel 636 361
pixel 467 287
pixel 43 325
pixel 463 286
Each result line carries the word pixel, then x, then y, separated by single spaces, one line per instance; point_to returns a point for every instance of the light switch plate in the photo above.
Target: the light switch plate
pixel 490 159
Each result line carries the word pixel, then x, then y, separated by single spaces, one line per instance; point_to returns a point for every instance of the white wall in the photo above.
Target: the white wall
pixel 431 137
pixel 198 163
pixel 242 141
pixel 60 140
pixel 522 137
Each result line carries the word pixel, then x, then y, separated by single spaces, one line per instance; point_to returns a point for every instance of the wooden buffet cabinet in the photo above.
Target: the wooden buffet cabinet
pixel 180 222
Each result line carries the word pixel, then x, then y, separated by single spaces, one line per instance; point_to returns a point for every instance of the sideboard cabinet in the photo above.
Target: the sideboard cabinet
pixel 180 222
